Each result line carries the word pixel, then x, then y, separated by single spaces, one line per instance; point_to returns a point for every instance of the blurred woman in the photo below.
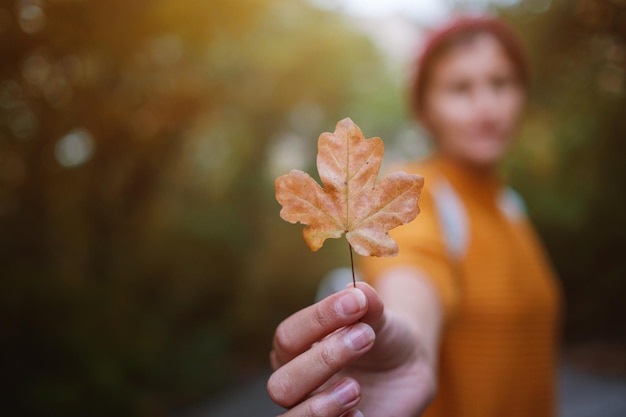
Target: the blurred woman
pixel 467 314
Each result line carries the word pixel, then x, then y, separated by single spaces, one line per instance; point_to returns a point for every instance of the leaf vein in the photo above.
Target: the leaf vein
pixel 334 221
pixel 381 208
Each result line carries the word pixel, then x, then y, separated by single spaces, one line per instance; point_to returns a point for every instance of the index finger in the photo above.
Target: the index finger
pixel 300 331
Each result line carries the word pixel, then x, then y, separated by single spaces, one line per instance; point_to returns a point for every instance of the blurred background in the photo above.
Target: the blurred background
pixel 143 263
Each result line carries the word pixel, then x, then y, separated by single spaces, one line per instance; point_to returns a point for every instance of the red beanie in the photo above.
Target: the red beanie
pixel 438 42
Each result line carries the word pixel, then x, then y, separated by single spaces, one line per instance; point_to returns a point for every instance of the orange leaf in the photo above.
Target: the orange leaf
pixel 351 201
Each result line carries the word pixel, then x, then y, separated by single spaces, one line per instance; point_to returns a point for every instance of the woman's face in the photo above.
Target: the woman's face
pixel 473 102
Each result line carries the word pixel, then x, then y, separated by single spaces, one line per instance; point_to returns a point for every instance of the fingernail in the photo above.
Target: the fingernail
pixel 351 302
pixel 346 392
pixel 360 336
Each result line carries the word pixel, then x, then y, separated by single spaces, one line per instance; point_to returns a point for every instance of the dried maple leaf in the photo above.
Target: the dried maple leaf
pixel 351 201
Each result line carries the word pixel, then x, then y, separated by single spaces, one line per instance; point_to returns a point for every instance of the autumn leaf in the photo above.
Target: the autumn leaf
pixel 351 201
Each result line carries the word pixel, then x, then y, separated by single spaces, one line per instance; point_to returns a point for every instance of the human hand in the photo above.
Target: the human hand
pixel 347 356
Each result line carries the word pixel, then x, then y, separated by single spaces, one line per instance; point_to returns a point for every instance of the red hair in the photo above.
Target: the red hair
pixel 458 30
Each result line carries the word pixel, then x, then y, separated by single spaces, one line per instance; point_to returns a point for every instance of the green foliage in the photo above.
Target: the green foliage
pixel 569 163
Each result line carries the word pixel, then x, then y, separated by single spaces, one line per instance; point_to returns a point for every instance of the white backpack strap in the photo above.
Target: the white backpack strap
pixel 453 218
pixel 335 281
pixel 512 205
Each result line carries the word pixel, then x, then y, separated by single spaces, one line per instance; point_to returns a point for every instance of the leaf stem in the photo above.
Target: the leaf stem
pixel 352 265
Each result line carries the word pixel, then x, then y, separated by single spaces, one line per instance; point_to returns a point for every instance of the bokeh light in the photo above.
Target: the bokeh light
pixel 32 18
pixel 75 148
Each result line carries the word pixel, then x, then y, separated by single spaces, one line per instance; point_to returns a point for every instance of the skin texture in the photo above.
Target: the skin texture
pixel 388 369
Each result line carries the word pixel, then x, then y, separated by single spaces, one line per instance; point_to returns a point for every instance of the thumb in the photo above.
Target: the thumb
pixel 375 308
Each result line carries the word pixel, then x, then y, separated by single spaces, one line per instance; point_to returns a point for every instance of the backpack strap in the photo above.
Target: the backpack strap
pixel 335 281
pixel 512 205
pixel 453 218
pixel 453 215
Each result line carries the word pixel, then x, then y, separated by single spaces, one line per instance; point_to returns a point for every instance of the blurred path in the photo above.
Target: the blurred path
pixel 248 400
pixel 583 394
pixel 586 394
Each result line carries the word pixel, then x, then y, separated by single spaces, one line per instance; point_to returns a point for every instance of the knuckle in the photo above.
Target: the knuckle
pixel 328 356
pixel 313 408
pixel 322 316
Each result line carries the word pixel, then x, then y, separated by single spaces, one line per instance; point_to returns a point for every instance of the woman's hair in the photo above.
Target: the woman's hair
pixel 456 33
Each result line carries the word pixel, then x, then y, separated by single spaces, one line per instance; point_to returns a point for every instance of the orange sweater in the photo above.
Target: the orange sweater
pixel 500 299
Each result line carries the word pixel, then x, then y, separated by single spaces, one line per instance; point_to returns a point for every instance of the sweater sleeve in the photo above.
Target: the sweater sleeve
pixel 422 247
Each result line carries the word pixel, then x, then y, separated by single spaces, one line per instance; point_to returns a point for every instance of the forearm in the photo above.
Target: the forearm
pixel 408 293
